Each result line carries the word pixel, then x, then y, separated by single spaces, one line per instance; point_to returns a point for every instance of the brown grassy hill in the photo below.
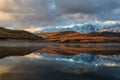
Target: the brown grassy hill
pixel 17 34
pixel 71 36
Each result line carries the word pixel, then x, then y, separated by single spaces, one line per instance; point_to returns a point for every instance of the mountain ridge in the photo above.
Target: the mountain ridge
pixel 18 34
pixel 82 28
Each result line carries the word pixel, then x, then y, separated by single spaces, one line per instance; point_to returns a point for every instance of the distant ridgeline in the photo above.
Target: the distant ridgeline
pixel 17 34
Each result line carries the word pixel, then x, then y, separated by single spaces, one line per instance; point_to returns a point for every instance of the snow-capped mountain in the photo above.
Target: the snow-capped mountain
pixel 83 28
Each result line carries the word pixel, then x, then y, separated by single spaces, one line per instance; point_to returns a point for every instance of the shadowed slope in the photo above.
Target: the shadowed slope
pixel 17 34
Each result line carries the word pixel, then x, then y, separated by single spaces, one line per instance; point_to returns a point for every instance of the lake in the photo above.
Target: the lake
pixel 60 61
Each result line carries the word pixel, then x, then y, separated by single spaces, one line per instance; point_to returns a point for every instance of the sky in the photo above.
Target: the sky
pixel 27 13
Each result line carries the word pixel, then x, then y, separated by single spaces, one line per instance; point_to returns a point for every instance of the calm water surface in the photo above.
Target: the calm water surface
pixel 60 62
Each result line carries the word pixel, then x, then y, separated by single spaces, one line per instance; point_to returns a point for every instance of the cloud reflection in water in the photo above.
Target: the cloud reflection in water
pixel 51 67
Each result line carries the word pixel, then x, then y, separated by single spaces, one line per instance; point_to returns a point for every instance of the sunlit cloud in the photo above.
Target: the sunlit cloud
pixel 5 16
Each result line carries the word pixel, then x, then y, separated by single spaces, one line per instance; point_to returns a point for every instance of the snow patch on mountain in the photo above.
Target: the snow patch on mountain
pixel 82 28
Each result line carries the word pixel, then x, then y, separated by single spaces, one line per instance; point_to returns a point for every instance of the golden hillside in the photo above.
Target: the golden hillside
pixel 71 36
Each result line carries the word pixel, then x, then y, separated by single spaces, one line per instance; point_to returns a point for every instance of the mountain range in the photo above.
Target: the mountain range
pixel 67 35
pixel 82 28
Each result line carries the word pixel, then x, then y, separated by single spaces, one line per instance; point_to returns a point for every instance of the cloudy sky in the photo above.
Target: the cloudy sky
pixel 54 12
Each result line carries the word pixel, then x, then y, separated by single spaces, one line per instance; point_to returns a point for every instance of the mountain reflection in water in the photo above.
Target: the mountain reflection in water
pixel 61 62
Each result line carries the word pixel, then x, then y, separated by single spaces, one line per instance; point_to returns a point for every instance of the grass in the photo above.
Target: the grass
pixel 72 37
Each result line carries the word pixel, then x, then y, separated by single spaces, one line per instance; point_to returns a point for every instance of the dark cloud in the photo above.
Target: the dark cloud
pixel 87 6
pixel 49 12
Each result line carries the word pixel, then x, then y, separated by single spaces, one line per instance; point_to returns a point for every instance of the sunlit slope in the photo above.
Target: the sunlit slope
pixel 72 36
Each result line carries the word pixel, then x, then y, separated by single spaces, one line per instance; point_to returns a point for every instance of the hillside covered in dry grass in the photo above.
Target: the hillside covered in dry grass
pixel 72 37
pixel 18 34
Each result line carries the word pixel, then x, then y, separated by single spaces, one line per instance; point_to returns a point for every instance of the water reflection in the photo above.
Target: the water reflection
pixel 51 67
pixel 73 49
pixel 61 49
pixel 61 62
pixel 17 51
